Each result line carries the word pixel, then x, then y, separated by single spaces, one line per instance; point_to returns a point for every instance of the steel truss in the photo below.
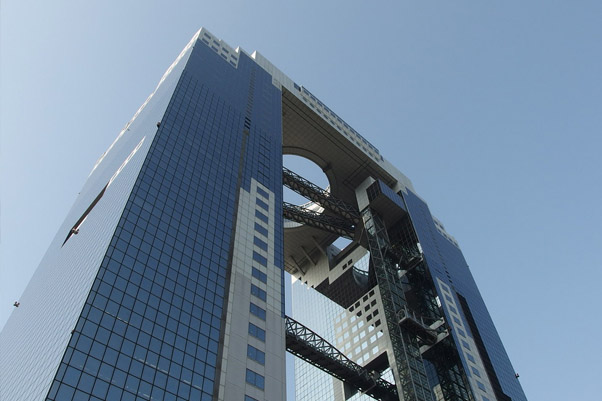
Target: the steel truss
pixel 409 368
pixel 453 380
pixel 300 214
pixel 318 195
pixel 402 253
pixel 415 324
pixel 426 312
pixel 307 345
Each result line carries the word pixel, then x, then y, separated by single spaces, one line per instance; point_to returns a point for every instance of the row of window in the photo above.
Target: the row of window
pixel 253 353
pixel 458 327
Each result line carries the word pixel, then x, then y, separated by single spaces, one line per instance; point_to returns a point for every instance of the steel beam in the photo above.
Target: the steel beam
pixel 318 195
pixel 309 346
pixel 300 214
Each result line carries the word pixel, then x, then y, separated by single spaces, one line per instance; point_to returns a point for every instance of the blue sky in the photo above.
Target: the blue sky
pixel 493 110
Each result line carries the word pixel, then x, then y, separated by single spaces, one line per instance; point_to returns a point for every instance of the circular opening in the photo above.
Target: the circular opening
pixel 308 170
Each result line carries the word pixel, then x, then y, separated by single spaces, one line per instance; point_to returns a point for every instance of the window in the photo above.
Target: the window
pixel 257 311
pixel 261 216
pixel 259 275
pixel 260 259
pixel 261 230
pixel 255 379
pixel 481 386
pixel 248 398
pixel 257 332
pixel 470 358
pixel 255 354
pixel 262 204
pixel 475 371
pixel 263 193
pixel 260 244
pixel 258 292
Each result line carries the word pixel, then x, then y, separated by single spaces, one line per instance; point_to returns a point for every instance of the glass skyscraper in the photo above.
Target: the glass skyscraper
pixel 166 280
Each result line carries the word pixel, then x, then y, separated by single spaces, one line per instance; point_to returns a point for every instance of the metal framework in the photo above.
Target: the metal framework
pixel 309 346
pixel 425 319
pixel 337 225
pixel 393 258
pixel 409 367
pixel 413 323
pixel 318 195
pixel 453 381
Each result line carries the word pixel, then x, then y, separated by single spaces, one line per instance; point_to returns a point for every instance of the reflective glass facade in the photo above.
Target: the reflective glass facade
pixel 153 321
pixel 153 316
pixel 151 325
pixel 481 349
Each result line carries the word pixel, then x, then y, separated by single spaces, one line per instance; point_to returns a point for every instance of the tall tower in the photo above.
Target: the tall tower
pixel 166 280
